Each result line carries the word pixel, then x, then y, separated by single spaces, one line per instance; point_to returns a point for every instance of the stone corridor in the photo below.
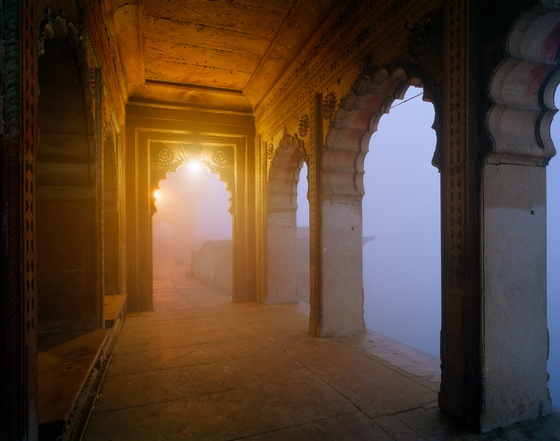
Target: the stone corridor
pixel 200 367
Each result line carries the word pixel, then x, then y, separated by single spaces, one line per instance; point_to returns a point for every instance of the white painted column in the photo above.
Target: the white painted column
pixel 342 296
pixel 514 328
pixel 281 258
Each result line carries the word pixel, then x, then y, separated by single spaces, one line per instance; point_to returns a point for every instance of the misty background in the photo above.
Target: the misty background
pixel 401 209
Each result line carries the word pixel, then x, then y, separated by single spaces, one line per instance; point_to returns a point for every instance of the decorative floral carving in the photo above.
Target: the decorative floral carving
pixel 165 155
pixel 10 74
pixel 329 105
pixel 424 34
pixel 269 151
pixel 221 157
pixel 55 24
pixel 362 37
pixel 303 126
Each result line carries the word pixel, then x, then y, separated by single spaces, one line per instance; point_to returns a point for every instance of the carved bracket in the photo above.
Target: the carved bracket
pixel 522 89
pixel 56 25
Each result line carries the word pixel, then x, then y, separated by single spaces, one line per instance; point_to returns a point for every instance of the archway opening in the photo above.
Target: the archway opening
pixel 302 249
pixel 284 250
pixel 192 227
pixel 553 260
pixel 401 227
pixel 68 215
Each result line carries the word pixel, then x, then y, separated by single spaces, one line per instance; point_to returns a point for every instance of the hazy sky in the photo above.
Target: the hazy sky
pixel 401 208
pixel 192 207
pixel 553 261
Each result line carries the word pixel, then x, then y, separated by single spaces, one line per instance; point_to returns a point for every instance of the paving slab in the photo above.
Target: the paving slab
pixel 199 367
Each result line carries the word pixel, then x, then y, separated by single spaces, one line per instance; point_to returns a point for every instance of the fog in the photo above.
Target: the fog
pixel 192 207
pixel 553 261
pixel 401 209
pixel 402 284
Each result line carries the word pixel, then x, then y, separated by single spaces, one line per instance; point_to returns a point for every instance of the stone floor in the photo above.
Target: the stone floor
pixel 202 368
pixel 68 364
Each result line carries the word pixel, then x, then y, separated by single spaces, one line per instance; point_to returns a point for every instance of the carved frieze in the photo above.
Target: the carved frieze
pixel 19 137
pixel 425 33
pixel 269 150
pixel 329 106
pixel 10 73
pixel 222 157
pixel 356 31
pixel 99 38
pixel 55 24
pixel 303 125
pixel 166 156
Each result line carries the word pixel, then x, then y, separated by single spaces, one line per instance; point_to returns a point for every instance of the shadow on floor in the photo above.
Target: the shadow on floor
pixel 202 368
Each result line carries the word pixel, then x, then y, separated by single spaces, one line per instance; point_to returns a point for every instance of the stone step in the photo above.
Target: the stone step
pixel 70 368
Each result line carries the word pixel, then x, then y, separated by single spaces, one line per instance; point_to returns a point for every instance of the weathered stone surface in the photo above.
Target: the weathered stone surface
pixel 515 332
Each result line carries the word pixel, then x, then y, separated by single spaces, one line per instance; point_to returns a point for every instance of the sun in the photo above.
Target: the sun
pixel 194 167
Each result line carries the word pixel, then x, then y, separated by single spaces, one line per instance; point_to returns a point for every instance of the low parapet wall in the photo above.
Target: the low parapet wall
pixel 212 264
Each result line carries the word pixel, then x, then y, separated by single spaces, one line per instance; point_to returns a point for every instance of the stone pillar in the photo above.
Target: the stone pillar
pixel 69 202
pixel 18 147
pixel 281 222
pixel 461 388
pixel 513 226
pixel 342 305
pixel 281 259
pixel 130 155
pixel 514 331
pixel 111 238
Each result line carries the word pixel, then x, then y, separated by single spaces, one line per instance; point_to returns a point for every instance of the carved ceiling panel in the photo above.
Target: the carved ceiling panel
pixel 240 47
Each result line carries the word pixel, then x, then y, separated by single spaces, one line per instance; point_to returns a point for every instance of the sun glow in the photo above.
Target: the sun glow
pixel 158 194
pixel 194 167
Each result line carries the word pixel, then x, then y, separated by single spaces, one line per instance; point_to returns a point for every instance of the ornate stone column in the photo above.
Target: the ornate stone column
pixel 513 256
pixel 18 138
pixel 340 217
pixel 494 336
pixel 461 382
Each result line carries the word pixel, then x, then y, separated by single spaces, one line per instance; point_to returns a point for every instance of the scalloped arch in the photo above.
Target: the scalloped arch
pixel 353 124
pixel 284 176
pixel 522 89
pixel 158 174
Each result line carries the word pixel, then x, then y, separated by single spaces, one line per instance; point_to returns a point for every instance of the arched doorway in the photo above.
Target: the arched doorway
pixel 340 309
pixel 401 227
pixel 281 223
pixel 69 194
pixel 192 227
pixel 303 276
